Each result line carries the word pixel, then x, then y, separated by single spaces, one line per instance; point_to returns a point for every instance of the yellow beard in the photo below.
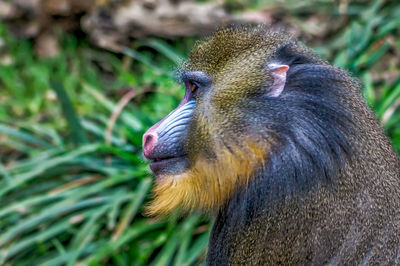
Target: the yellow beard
pixel 209 183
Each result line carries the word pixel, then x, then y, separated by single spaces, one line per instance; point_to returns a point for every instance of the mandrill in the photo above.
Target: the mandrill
pixel 281 147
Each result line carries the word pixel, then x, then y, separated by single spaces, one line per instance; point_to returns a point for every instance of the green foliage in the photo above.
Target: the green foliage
pixel 71 193
pixel 364 48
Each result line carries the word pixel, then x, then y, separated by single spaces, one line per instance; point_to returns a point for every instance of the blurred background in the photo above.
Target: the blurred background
pixel 81 81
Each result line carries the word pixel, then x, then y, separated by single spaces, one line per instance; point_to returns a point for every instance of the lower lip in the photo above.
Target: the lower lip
pixel 158 166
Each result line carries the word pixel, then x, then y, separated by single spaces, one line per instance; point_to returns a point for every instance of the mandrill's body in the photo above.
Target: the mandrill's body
pixel 281 146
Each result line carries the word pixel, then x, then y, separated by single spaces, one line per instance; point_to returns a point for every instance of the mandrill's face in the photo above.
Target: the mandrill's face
pixel 211 143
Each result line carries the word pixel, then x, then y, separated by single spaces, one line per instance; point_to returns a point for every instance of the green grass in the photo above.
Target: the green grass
pixel 71 193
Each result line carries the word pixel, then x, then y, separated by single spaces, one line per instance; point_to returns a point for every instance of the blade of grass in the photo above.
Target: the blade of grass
pixel 36 238
pixel 389 100
pixel 21 179
pixel 99 132
pixel 129 120
pixel 77 133
pixel 166 253
pixel 393 121
pixel 132 208
pixel 4 173
pixel 199 246
pixel 137 229
pixel 390 25
pixel 60 248
pixel 163 48
pixel 86 234
pixel 48 131
pixel 28 203
pixel 142 59
pixel 367 60
pixel 114 212
pixel 50 213
pixel 368 90
pixel 7 130
pixel 187 235
pixel 25 165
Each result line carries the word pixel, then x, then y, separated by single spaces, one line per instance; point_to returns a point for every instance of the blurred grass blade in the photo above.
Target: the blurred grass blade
pixel 36 238
pixel 85 234
pixel 129 120
pixel 27 203
pixel 77 133
pixel 4 173
pixel 163 48
pixel 46 215
pixel 186 236
pixel 46 131
pixel 385 28
pixel 99 132
pixel 165 255
pixel 137 229
pixel 393 121
pixel 393 95
pixel 21 179
pixel 367 60
pixel 372 10
pixel 132 208
pixel 199 246
pixel 26 165
pixel 144 60
pixel 368 90
pixel 7 130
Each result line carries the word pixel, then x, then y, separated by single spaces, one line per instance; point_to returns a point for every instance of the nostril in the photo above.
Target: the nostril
pixel 149 142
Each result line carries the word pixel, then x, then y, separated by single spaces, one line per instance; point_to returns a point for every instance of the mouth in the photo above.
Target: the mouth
pixel 168 165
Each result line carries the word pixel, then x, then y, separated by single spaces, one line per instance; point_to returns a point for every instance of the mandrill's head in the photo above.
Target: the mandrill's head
pixel 223 132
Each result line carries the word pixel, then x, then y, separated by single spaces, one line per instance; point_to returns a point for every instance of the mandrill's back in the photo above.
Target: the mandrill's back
pixel 330 190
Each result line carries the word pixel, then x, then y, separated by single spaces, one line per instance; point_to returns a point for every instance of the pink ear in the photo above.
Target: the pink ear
pixel 278 73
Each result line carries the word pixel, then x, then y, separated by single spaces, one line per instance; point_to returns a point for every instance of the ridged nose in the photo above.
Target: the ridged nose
pixel 149 142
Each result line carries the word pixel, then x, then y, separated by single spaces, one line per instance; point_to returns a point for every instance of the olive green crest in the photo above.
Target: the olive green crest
pixel 236 59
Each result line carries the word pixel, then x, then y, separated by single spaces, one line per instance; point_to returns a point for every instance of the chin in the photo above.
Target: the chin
pixel 204 185
pixel 169 166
